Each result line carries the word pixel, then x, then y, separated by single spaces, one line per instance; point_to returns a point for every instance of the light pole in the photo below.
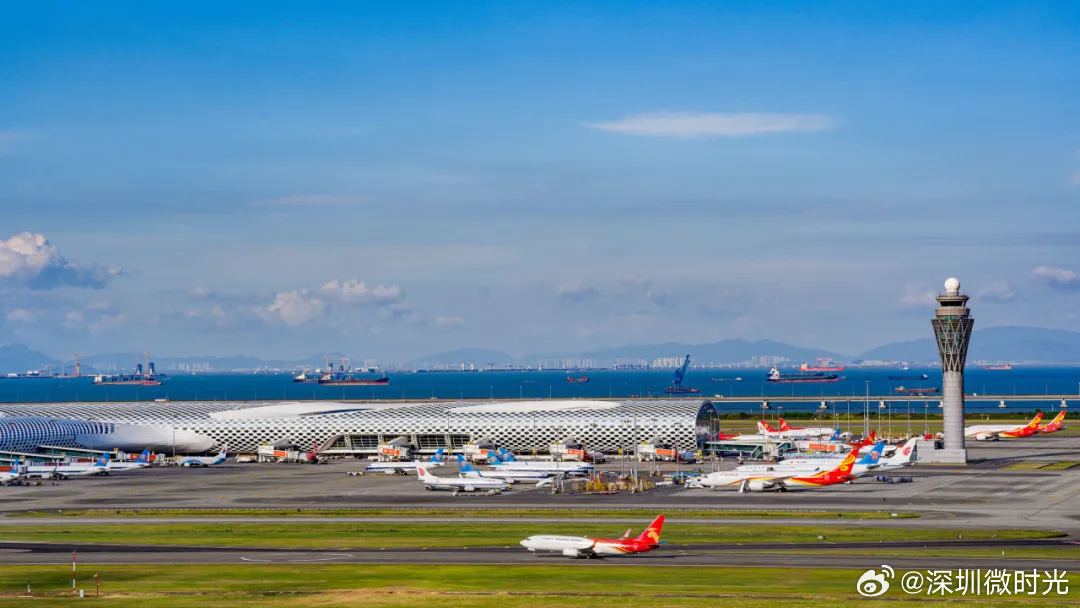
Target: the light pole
pixel 866 412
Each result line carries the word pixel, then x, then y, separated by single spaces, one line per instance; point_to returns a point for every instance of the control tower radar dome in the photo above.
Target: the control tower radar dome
pixel 952 285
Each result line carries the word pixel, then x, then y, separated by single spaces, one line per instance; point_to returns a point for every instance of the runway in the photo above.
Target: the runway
pixel 794 555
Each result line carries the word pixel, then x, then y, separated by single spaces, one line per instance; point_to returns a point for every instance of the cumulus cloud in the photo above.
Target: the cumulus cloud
pixel 74 317
pixel 201 291
pixel 20 315
pixel 1056 278
pixel 30 260
pixel 448 322
pixel 689 125
pixel 918 294
pixel 313 200
pixel 292 308
pixel 996 292
pixel 357 292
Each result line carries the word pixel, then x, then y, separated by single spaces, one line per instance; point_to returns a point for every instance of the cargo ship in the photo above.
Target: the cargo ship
pixel 822 366
pixel 776 376
pixel 577 378
pixel 735 379
pixel 682 390
pixel 916 391
pixel 346 379
pixel 998 368
pixel 918 377
pixel 306 376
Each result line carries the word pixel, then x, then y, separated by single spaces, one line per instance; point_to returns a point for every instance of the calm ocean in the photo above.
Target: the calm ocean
pixel 537 385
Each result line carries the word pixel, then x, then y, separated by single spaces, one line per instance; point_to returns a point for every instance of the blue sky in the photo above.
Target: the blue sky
pixel 395 179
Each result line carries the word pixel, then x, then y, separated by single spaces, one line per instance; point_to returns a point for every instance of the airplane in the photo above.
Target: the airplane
pixel 548 467
pixel 790 433
pixel 1054 425
pixel 457 484
pixel 16 473
pixel 817 430
pixel 584 547
pixel 779 479
pixel 392 468
pixel 509 476
pixel 206 461
pixel 141 462
pixel 65 471
pixel 904 456
pixel 871 460
pixel 993 432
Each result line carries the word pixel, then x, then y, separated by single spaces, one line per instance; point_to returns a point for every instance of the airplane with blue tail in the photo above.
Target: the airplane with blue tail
pixel 206 461
pixel 16 473
pixel 64 471
pixel 465 469
pixel 141 462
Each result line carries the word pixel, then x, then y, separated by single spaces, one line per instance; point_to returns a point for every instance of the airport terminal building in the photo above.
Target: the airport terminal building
pixel 356 428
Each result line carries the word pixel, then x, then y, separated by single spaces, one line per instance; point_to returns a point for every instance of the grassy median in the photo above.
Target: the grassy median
pixel 272 586
pixel 464 534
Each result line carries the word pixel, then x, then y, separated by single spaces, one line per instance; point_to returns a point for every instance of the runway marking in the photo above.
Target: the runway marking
pixel 329 557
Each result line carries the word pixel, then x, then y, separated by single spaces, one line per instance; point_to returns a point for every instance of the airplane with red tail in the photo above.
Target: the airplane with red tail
pixel 585 547
pixel 1055 425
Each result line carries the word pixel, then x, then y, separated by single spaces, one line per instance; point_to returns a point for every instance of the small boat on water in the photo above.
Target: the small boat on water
pixel 682 390
pixel 735 379
pixel 998 368
pixel 577 378
pixel 918 377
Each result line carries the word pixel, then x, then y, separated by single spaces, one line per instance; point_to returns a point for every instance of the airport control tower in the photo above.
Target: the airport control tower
pixel 952 329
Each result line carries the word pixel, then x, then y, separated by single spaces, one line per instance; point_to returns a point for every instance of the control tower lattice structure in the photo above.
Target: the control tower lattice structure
pixel 952 329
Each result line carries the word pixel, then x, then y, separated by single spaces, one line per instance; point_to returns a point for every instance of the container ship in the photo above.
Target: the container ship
pixel 682 390
pixel 998 368
pixel 347 379
pixel 577 378
pixel 916 391
pixel 776 376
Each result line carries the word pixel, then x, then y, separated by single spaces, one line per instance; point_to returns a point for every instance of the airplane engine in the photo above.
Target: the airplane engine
pixel 985 436
pixel 571 553
pixel 469 488
pixel 758 485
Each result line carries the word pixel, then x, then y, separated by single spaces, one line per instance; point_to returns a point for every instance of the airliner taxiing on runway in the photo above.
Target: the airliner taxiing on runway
pixel 206 461
pixel 457 484
pixel 993 432
pixel 585 547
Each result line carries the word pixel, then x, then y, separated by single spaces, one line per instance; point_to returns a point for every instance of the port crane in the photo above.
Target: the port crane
pixel 678 377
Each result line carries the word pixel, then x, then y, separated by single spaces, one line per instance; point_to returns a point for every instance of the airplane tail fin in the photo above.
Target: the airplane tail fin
pixel 103 461
pixel 493 459
pixel 845 466
pixel 652 533
pixel 506 455
pixel 1035 421
pixel 627 533
pixel 874 455
pixel 224 450
pixel 764 427
pixel 784 425
pixel 464 466
pixel 15 468
pixel 144 458
pixel 438 456
pixel 835 436
pixel 905 454
pixel 423 473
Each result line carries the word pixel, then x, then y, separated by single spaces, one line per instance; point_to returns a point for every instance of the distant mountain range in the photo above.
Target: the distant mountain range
pixel 1029 344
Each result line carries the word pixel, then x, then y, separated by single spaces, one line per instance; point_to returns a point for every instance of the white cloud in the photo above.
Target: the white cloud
pixel 918 294
pixel 313 200
pixel 30 260
pixel 201 291
pixel 20 315
pixel 217 312
pixel 699 125
pixel 105 322
pixel 292 308
pixel 1056 278
pixel 74 317
pixel 996 292
pixel 447 322
pixel 357 292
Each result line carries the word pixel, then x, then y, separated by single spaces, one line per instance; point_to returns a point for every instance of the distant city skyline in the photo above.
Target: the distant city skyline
pixel 399 180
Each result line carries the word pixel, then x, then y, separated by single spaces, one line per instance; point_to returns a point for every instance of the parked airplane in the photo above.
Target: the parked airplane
pixel 802 466
pixel 472 484
pixel 817 431
pixel 16 473
pixel 64 471
pixel 205 461
pixel 993 432
pixel 549 467
pixel 1054 425
pixel 585 547
pixel 790 433
pixel 141 462
pixel 779 479
pixel 406 467
pixel 903 456
pixel 509 476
